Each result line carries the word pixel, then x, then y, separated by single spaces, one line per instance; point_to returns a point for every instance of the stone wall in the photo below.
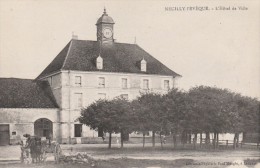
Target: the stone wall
pixel 65 90
pixel 21 121
pixel 90 89
pixel 91 92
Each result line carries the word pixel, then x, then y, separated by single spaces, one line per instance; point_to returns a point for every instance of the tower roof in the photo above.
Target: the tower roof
pixel 105 18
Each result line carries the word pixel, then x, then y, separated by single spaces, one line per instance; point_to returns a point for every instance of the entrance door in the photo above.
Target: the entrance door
pixel 43 128
pixel 100 132
pixel 4 134
pixel 78 130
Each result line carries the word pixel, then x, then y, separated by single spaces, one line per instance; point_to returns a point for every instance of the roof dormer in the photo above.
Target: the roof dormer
pixel 99 62
pixel 143 65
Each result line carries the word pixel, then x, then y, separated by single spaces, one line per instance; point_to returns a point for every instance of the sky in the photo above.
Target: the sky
pixel 213 48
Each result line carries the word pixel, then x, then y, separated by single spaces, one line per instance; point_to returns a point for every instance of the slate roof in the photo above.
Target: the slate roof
pixel 25 93
pixel 80 55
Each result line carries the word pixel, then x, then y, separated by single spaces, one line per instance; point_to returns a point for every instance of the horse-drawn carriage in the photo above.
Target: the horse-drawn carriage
pixel 36 149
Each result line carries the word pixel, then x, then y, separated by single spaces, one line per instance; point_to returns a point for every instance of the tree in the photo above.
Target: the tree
pixel 212 107
pixel 201 110
pixel 151 114
pixel 177 111
pixel 123 118
pixel 111 116
pixel 245 117
pixel 141 117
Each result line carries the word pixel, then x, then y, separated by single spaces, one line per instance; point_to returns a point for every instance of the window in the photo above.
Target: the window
pixel 124 96
pixel 101 96
pixel 78 80
pixel 77 130
pixel 124 83
pixel 145 84
pixel 100 132
pixel 166 84
pixel 101 82
pixel 78 100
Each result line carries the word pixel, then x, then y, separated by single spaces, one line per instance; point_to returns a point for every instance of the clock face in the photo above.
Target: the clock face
pixel 107 32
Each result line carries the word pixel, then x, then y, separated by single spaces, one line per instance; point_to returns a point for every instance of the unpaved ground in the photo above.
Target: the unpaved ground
pixel 133 155
pixel 135 163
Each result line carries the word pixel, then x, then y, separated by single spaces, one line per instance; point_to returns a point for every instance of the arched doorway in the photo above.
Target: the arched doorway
pixel 43 128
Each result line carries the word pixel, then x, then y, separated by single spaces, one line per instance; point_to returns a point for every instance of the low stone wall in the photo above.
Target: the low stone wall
pixel 99 140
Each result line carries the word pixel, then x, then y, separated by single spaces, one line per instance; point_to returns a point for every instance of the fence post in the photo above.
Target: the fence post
pixel 241 144
pixel 226 143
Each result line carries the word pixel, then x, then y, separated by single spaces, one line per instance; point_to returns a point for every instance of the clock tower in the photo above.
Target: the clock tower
pixel 105 31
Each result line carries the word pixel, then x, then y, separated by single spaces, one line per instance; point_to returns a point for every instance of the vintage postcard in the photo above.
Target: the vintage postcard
pixel 129 83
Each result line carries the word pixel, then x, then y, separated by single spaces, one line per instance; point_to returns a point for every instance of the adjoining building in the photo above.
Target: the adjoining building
pixel 83 72
pixel 26 106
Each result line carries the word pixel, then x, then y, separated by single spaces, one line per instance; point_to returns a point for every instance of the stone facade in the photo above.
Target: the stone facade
pixel 21 121
pixel 65 86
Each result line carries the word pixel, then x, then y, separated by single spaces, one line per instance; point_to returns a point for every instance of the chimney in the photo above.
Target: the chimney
pixel 74 36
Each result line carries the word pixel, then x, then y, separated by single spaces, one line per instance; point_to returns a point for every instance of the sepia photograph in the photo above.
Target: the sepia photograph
pixel 129 84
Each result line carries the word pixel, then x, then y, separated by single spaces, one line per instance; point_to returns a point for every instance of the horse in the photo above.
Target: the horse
pixel 32 149
pixel 37 150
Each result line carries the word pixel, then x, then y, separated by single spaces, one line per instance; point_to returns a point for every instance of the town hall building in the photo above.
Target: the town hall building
pixel 83 72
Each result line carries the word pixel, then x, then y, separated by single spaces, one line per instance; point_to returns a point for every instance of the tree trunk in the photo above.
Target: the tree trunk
pixel 183 138
pixel 207 140
pixel 153 138
pixel 235 140
pixel 189 138
pixel 244 136
pixel 122 139
pixel 195 141
pixel 109 143
pixel 214 140
pixel 217 140
pixel 237 144
pixel 200 139
pixel 143 139
pixel 161 139
pixel 174 140
pixel 173 134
